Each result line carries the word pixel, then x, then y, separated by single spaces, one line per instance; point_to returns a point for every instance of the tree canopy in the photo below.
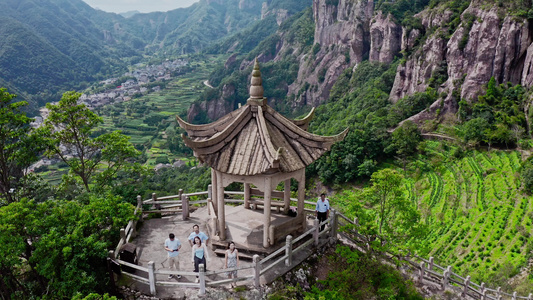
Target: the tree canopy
pixel 96 160
pixel 20 146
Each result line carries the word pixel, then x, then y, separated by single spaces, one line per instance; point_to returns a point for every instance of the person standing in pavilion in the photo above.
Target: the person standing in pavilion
pixel 322 209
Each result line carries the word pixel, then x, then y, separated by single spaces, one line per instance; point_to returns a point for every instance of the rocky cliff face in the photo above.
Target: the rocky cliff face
pixel 488 42
pixel 342 33
pixel 385 38
pixel 496 45
pixel 281 14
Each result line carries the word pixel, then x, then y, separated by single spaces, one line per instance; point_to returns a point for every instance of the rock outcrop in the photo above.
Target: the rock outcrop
pixel 488 43
pixel 215 108
pixel 342 32
pixel 494 46
pixel 385 38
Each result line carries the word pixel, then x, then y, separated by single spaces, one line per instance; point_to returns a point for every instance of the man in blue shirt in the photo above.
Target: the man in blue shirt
pixel 173 246
pixel 197 233
pixel 322 209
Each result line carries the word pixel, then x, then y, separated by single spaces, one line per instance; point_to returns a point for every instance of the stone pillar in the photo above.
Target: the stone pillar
pixel 287 196
pixel 140 206
pixel 301 199
pixel 246 195
pixel 257 270
pixel 334 224
pixel 266 211
pixel 316 233
pixel 221 212
pixel 288 250
pixel 214 186
pixel 151 277
pixel 466 285
pixel 185 207
pixel 201 268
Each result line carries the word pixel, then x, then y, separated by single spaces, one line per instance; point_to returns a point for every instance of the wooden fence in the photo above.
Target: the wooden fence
pixel 426 271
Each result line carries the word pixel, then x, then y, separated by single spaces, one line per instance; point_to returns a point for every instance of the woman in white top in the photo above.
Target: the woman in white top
pixel 232 261
pixel 199 255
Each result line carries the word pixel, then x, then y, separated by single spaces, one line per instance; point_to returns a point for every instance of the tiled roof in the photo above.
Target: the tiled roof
pixel 255 139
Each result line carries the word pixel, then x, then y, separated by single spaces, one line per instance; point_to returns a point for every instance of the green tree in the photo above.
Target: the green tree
pixel 71 126
pixel 58 248
pixel 405 140
pixel 396 218
pixel 475 130
pixel 19 145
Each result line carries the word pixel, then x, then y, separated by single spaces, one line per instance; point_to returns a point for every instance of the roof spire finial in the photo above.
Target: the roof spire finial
pixel 256 88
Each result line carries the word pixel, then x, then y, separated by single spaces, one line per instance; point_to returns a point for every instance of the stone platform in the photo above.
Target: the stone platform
pixel 244 227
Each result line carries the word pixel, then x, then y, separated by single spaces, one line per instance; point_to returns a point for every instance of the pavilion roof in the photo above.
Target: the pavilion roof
pixel 255 139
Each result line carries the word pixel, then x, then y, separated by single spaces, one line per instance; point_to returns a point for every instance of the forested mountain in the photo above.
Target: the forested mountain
pixel 454 47
pixel 56 45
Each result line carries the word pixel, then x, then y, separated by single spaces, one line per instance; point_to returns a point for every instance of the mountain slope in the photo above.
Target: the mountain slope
pixel 66 44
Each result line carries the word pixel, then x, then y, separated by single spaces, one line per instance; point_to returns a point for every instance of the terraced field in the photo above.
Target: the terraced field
pixel 150 119
pixel 479 218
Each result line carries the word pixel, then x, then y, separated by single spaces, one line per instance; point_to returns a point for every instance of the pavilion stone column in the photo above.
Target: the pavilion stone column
pixel 214 187
pixel 301 199
pixel 246 195
pixel 221 212
pixel 266 210
pixel 287 196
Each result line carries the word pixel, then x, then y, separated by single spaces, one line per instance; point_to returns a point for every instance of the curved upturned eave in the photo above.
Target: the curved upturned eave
pixel 192 128
pixel 219 137
pixel 302 133
pixel 306 120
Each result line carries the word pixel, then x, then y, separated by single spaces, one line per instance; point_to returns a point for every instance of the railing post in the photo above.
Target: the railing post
pixel 467 283
pixel 499 293
pixel 317 231
pixel 446 277
pixel 123 235
pixel 334 223
pixel 140 205
pixel 514 296
pixel 484 295
pixel 209 201
pixel 247 195
pixel 157 205
pixel 421 273
pixel 184 207
pixel 110 256
pixel 288 251
pixel 133 229
pixel 202 279
pixel 210 191
pixel 430 265
pixel 151 276
pixel 530 297
pixel 257 270
pixel 482 289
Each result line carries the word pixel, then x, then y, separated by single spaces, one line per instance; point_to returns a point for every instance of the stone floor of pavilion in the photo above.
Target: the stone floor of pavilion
pixel 244 227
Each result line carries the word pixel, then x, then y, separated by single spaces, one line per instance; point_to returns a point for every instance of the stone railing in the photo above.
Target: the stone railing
pixel 309 240
pixel 427 272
